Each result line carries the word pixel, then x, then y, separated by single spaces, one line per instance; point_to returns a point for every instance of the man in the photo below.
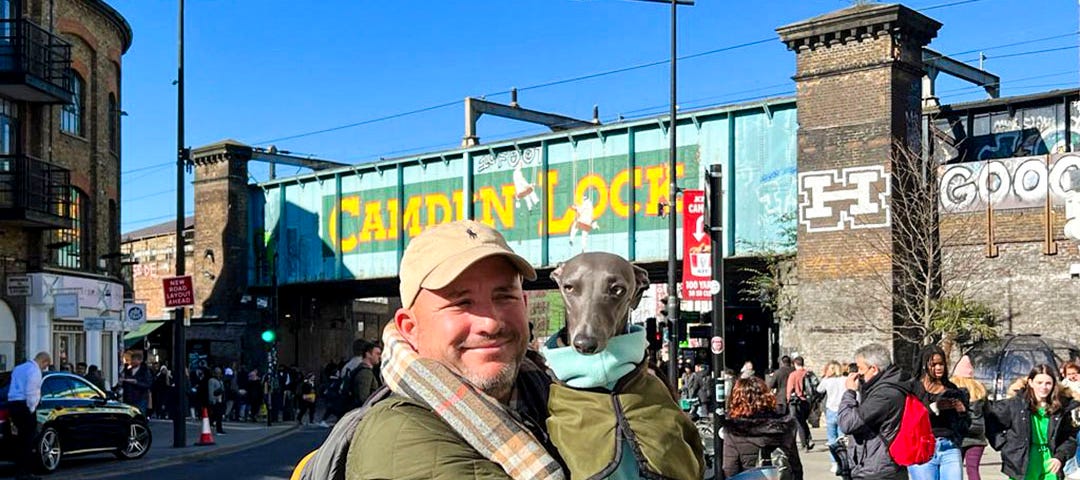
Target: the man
pixel 873 418
pixel 700 387
pixel 136 380
pixel 778 383
pixel 23 397
pixel 466 400
pixel 80 369
pixel 364 380
pixel 799 402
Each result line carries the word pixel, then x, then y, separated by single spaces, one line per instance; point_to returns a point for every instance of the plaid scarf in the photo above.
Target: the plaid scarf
pixel 482 421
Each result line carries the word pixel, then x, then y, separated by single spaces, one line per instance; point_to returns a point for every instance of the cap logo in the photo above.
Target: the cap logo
pixel 471 233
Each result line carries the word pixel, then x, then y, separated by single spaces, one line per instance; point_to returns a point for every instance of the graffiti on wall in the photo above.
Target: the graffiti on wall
pixel 1019 132
pixel 853 197
pixel 1008 183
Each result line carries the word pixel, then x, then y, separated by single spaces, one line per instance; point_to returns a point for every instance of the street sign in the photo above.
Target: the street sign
pixel 178 291
pixel 697 248
pixel 112 325
pixel 717 345
pixel 134 315
pixel 19 286
pixel 93 324
pixel 714 287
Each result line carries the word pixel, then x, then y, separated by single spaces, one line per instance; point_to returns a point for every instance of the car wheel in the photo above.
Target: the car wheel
pixel 48 448
pixel 138 442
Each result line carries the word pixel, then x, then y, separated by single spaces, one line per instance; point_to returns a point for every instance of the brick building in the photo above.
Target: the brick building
pixel 60 109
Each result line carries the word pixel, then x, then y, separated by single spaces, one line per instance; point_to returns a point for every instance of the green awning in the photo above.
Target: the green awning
pixel 143 330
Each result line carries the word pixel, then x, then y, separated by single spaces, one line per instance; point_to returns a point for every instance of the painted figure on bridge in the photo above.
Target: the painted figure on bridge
pixel 584 221
pixel 523 189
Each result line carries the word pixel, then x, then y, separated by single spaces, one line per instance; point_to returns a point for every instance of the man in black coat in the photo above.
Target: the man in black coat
pixel 136 380
pixel 778 383
pixel 872 419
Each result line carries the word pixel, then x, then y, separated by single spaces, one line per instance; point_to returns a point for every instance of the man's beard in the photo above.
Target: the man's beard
pixel 495 385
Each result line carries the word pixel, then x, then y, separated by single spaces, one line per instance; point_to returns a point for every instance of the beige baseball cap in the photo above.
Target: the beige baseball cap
pixel 440 254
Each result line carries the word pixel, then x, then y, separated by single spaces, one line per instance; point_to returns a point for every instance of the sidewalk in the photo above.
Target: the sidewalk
pixel 816 462
pixel 239 436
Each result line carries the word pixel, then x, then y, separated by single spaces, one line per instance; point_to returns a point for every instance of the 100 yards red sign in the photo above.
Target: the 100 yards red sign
pixel 697 250
pixel 178 292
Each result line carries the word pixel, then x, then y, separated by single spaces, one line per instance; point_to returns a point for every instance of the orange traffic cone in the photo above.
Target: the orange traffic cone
pixel 207 438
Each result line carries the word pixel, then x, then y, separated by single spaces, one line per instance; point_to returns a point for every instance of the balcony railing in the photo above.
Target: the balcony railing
pixel 34 193
pixel 34 63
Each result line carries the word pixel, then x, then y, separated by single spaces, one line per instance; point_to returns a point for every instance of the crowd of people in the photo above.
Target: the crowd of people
pixel 867 410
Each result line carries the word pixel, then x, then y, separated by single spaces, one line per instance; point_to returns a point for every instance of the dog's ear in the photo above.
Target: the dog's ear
pixel 641 278
pixel 556 274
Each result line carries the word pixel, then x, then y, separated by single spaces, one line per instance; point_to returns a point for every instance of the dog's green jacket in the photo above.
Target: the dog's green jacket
pixel 638 412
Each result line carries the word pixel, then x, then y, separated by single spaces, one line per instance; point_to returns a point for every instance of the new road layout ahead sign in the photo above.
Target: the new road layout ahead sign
pixel 178 291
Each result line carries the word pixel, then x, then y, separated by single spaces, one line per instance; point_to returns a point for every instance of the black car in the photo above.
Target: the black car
pixel 75 418
pixel 999 362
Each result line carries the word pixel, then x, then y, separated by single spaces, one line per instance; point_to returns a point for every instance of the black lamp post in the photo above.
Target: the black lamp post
pixel 673 191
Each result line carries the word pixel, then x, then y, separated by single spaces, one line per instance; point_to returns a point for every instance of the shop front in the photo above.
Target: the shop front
pixel 76 319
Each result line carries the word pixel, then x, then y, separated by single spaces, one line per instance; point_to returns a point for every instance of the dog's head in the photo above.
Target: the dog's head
pixel 599 290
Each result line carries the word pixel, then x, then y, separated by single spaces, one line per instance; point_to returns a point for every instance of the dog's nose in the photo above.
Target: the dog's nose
pixel 586 345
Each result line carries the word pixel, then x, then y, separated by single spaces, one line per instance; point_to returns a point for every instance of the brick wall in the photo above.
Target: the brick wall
pixel 155 261
pixel 857 87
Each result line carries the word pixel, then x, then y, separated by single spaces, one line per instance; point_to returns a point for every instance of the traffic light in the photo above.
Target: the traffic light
pixel 653 334
pixel 269 335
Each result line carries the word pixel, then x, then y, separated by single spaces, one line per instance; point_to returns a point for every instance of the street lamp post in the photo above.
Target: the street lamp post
pixel 179 332
pixel 673 192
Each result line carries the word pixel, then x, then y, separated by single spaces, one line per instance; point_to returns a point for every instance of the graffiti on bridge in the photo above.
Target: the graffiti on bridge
pixel 853 197
pixel 1007 183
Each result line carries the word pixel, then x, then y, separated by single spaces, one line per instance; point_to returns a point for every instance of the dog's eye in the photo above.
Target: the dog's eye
pixel 568 288
pixel 618 291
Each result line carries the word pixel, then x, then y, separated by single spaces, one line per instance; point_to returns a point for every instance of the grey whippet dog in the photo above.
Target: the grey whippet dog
pixel 600 289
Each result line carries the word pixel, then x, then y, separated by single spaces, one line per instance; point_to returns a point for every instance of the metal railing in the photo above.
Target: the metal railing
pixel 35 185
pixel 26 47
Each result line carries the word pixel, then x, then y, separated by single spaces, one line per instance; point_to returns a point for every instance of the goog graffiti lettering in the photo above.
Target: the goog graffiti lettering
pixel 1008 183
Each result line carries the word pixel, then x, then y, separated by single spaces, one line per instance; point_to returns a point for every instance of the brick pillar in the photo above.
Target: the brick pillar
pixel 858 77
pixel 219 262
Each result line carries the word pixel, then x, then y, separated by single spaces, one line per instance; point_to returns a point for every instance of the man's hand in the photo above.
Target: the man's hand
pixel 852 382
pixel 1054 466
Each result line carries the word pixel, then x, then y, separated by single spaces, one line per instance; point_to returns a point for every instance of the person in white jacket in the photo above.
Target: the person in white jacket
pixel 24 394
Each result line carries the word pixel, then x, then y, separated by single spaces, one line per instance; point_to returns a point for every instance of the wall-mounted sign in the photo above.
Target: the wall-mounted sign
pixel 178 291
pixel 93 324
pixel 66 305
pixel 19 286
pixel 134 314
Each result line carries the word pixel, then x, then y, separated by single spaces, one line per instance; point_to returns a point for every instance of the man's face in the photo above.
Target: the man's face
pixel 43 363
pixel 136 362
pixel 866 372
pixel 374 356
pixel 80 369
pixel 477 326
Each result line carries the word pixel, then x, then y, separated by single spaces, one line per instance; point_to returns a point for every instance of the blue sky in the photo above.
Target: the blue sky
pixel 264 70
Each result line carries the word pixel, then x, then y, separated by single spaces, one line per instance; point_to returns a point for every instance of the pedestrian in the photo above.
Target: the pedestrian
pixel 307 400
pixel 974 442
pixel 364 381
pixel 458 365
pixel 870 412
pixel 80 369
pixel 254 390
pixel 747 370
pixel 949 417
pixel 136 381
pixel 799 401
pixel 1071 377
pixel 753 430
pixel 23 396
pixel 94 376
pixel 216 400
pixel 778 383
pixel 1033 430
pixel 232 388
pixel 832 385
pixel 700 389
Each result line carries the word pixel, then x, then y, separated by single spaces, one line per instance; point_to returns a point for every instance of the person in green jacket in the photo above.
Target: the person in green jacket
pixel 467 400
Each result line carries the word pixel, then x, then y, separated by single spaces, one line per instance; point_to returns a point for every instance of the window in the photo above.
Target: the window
pixel 71 115
pixel 114 124
pixel 55 388
pixel 9 126
pixel 67 244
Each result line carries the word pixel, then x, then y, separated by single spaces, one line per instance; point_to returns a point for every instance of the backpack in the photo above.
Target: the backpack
pixel 777 460
pixel 809 387
pixel 914 441
pixel 328 462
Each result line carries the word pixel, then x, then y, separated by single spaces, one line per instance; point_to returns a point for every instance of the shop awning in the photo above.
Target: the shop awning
pixel 143 330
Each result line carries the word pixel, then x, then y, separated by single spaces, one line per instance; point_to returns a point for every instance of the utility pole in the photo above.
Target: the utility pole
pixel 673 194
pixel 179 332
pixel 716 236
